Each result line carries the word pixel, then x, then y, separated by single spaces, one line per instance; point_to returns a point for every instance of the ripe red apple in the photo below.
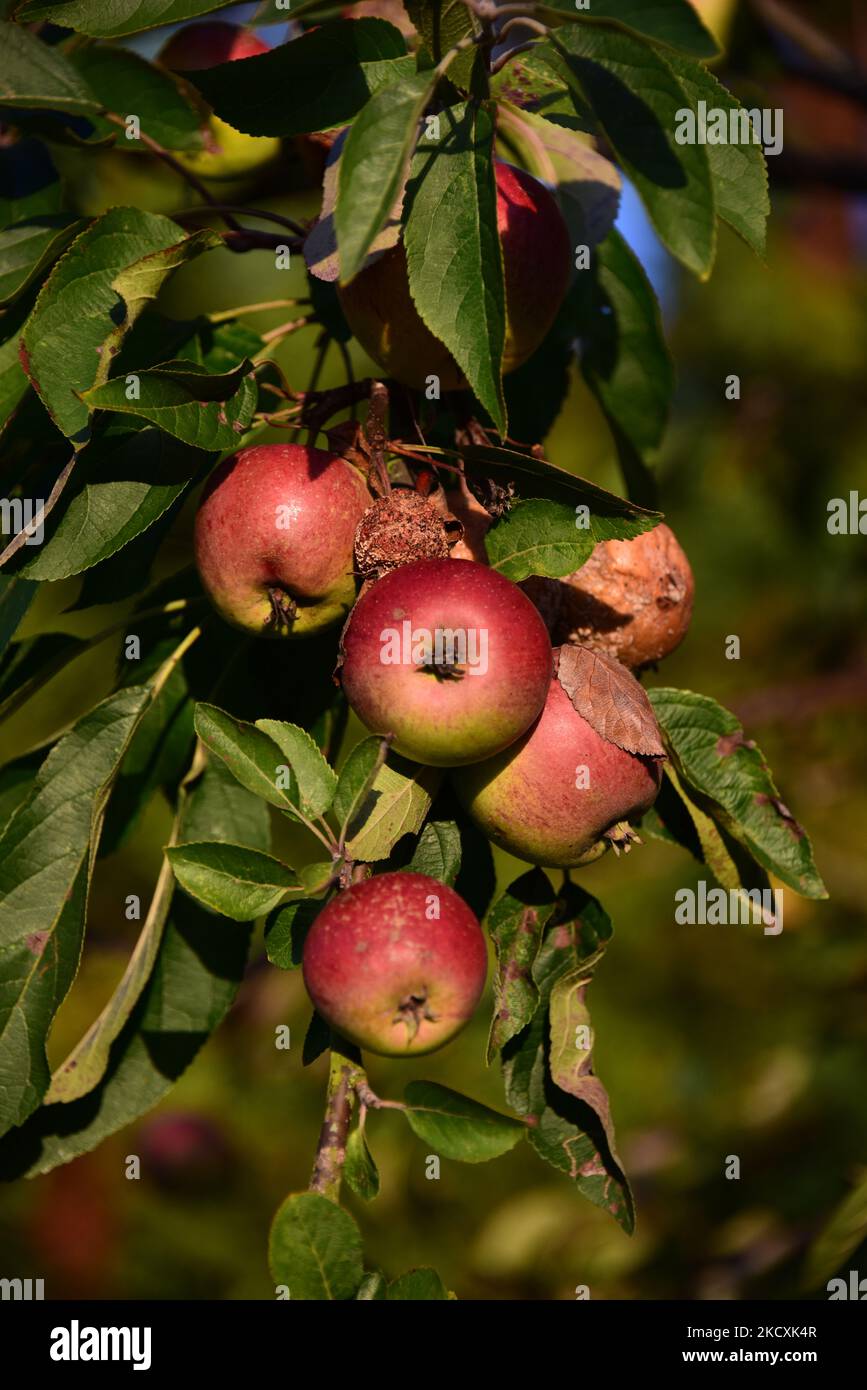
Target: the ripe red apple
pixel 273 539
pixel 536 263
pixel 449 657
pixel 396 964
pixel 552 797
pixel 233 154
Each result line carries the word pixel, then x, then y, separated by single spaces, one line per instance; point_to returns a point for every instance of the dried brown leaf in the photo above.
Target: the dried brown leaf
pixel 609 697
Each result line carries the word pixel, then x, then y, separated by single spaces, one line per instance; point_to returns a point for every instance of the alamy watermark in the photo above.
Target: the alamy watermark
pixel 25 514
pixel 730 907
pixel 455 650
pixel 719 125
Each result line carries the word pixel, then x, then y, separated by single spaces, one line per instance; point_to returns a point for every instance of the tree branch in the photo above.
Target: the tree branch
pixel 343 1075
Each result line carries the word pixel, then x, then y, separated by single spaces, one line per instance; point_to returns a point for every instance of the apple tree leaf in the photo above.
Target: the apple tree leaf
pixel 457 1127
pixel 37 75
pixel 316 779
pixel 726 774
pixel 315 1249
pixel 636 97
pixel 114 19
pixel 672 22
pixel 46 856
pixel 317 82
pixel 203 409
pixel 605 693
pixel 453 250
pixel 515 923
pixel 360 1170
pixel 239 883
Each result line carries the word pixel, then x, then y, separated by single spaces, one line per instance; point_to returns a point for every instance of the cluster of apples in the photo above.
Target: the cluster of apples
pixel 455 663
pixel 446 656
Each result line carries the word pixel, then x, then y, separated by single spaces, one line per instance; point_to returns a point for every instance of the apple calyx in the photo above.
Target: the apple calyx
pixel 411 1011
pixel 622 837
pixel 284 609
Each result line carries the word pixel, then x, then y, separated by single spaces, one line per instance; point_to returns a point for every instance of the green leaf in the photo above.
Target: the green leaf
pixel 442 24
pixel 27 248
pixel 250 755
pixel 221 809
pixel 538 537
pixel 672 22
pixel 128 84
pixel 286 931
pixel 199 967
pixel 395 804
pixel 316 82
pixel 625 360
pixel 201 409
pixel 609 517
pixel 356 779
pixel 108 19
pixel 29 183
pixel 359 1169
pixel 457 1127
pixel 438 852
pixel 636 98
pixel 46 854
pixel 373 164
pixel 91 299
pixel 86 1064
pixel 515 924
pixel 565 1131
pixel 124 481
pixel 39 76
pixel 727 860
pixel 316 779
pixel 571 1056
pixel 839 1239
pixel 739 172
pixel 418 1284
pixel 315 1249
pixel 240 883
pixel 453 251
pixel 13 381
pixel 728 777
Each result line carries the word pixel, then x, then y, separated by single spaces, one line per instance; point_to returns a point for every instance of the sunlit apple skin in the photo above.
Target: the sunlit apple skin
pixel 279 520
pixel 388 973
pixel 536 262
pixel 528 800
pixel 205 46
pixel 435 718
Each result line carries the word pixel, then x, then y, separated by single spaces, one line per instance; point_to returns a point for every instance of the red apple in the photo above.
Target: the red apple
pixel 396 964
pixel 232 154
pixel 273 539
pixel 552 797
pixel 449 657
pixel 207 45
pixel 536 262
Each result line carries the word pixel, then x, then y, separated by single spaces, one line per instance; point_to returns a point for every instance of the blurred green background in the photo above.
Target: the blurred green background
pixel 712 1041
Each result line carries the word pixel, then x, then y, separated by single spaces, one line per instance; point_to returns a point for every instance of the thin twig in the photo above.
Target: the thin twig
pixel 224 315
pixel 262 213
pixel 23 535
pixel 186 174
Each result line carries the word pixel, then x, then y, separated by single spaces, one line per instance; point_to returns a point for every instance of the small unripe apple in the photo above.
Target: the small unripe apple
pixel 198 46
pixel 632 599
pixel 449 657
pixel 397 964
pixel 552 798
pixel 536 261
pixel 273 539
